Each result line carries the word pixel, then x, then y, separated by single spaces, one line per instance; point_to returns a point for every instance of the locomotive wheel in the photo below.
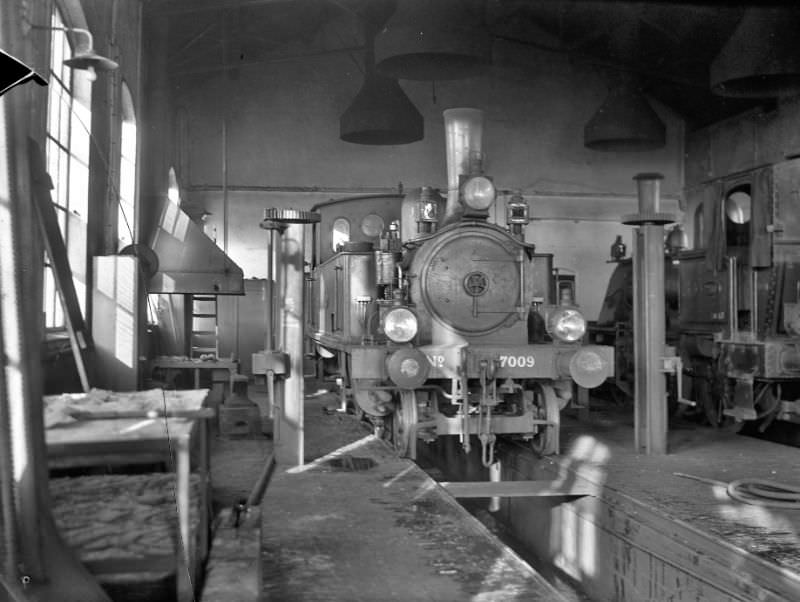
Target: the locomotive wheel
pixel 404 420
pixel 546 441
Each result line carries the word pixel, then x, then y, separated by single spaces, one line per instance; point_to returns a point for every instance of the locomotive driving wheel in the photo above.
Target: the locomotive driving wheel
pixel 404 420
pixel 546 407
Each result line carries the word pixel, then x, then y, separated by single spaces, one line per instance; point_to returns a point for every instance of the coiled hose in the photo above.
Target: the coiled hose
pixel 758 492
pixel 761 492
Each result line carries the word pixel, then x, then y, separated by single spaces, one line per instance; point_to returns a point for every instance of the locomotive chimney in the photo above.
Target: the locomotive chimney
pixel 464 133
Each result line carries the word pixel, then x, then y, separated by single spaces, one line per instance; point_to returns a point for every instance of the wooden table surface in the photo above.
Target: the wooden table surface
pixel 88 442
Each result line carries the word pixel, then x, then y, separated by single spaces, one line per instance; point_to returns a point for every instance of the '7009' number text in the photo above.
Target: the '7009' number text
pixel 516 361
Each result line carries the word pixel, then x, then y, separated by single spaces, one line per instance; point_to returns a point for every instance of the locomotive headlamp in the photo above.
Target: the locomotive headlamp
pixel 400 325
pixel 478 193
pixel 566 324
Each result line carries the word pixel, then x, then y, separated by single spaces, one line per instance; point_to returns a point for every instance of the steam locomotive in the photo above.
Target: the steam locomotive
pixel 439 322
pixel 733 300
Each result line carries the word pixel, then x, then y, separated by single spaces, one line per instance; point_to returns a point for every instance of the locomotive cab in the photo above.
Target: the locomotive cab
pixel 739 297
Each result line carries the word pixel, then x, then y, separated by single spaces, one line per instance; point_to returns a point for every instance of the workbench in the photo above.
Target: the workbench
pixel 196 366
pixel 103 428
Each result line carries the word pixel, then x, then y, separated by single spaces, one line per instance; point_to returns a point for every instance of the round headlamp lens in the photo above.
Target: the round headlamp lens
pixel 566 324
pixel 479 193
pixel 400 325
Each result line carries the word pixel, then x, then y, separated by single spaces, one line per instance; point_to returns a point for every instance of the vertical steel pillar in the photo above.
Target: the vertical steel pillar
pixel 287 242
pixel 289 442
pixel 649 328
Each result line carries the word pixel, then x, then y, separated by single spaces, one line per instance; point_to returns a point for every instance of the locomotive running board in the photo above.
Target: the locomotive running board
pixel 470 489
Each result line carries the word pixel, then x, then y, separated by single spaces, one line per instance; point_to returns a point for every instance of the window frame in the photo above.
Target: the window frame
pixel 68 141
pixel 127 219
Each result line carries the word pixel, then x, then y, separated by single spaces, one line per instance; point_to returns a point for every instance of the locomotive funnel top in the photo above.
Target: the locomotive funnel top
pixel 464 139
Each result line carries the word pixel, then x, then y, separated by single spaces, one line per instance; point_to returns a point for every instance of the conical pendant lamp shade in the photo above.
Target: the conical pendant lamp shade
pixel 85 56
pixel 761 59
pixel 434 40
pixel 625 122
pixel 381 113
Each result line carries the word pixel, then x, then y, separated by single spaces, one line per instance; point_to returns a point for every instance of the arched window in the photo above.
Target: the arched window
pixel 737 216
pixel 126 210
pixel 69 117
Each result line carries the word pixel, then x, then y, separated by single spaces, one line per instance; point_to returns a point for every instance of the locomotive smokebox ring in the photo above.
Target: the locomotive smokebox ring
pixel 408 368
pixel 476 284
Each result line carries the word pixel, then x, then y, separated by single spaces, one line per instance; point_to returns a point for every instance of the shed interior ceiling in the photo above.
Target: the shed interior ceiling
pixel 667 46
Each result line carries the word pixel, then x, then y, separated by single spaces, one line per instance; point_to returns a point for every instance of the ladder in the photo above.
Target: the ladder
pixel 204 331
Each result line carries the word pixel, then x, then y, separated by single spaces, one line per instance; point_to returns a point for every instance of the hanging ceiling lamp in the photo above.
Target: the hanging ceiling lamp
pixel 624 122
pixel 761 58
pixel 434 40
pixel 381 113
pixel 85 56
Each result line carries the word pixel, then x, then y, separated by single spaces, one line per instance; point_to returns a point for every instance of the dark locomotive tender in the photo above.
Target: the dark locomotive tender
pixel 447 325
pixel 733 301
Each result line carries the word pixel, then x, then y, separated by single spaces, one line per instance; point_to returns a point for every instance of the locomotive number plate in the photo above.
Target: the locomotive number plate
pixel 516 361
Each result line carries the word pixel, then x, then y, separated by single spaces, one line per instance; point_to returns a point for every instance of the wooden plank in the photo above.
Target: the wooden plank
pixel 41 184
pixel 472 489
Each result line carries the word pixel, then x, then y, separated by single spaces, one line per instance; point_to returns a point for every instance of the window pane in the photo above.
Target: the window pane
pixel 53 102
pixel 78 187
pixel 49 297
pixel 62 134
pixel 68 148
pixel 81 123
pixel 61 216
pixel 62 174
pixel 126 211
pixel 129 140
pixel 80 291
pixel 51 150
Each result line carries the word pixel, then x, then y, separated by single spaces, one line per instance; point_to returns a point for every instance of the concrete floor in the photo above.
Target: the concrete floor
pixel 363 524
pixel 339 533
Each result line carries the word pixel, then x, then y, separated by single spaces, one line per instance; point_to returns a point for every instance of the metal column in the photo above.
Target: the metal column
pixel 649 329
pixel 287 241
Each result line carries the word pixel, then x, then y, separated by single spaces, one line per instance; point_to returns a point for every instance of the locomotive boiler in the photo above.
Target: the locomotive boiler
pixel 439 322
pixel 733 299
